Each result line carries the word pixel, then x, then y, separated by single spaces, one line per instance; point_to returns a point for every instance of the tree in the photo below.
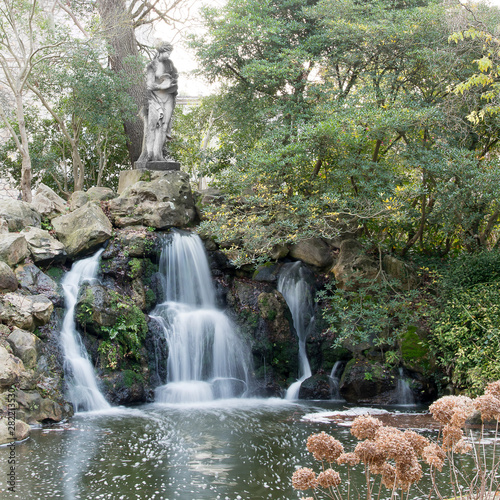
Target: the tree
pixel 23 46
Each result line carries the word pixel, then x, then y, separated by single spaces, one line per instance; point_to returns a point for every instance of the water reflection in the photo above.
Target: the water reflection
pixel 233 449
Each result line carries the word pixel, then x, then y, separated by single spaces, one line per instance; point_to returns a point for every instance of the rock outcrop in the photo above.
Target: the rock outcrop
pixel 164 201
pixel 44 248
pixel 47 203
pixel 83 230
pixel 13 248
pixel 19 214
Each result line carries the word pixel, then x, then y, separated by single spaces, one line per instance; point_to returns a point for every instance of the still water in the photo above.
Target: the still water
pixel 237 449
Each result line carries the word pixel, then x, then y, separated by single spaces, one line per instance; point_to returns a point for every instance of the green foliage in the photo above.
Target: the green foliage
pixel 466 337
pixel 130 377
pixel 371 312
pixel 467 270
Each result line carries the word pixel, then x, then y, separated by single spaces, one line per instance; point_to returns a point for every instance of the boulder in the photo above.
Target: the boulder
pixel 19 214
pixel 25 346
pixel 318 386
pixel 4 227
pixel 267 272
pixel 25 311
pixel 166 201
pixel 353 264
pixel 400 271
pixel 44 248
pixel 83 230
pixel 13 248
pixel 11 368
pixel 278 251
pixel 7 435
pixel 47 203
pixel 8 280
pixel 78 199
pixel 368 382
pixel 313 251
pixel 33 280
pixel 99 193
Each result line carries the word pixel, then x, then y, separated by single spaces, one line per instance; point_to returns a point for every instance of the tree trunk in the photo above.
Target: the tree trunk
pixel 125 60
pixel 26 174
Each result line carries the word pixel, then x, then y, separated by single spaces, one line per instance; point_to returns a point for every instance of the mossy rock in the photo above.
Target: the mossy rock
pixel 415 351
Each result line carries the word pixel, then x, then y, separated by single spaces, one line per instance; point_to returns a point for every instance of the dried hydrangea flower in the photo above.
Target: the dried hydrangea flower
pixel 328 478
pixel 451 436
pixel 308 498
pixel 434 455
pixel 324 447
pixel 493 388
pixel 369 452
pixel 444 409
pixel 365 427
pixel 304 479
pixel 388 476
pixel 349 459
pixel 463 447
pixel 417 441
pixel 489 406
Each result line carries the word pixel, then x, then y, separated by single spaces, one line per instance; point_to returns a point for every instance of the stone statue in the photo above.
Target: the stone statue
pixel 157 111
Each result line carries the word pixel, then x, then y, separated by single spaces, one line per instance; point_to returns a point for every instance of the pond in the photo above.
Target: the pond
pixel 239 449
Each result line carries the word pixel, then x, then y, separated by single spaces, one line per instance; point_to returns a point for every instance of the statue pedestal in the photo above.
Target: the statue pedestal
pixel 157 165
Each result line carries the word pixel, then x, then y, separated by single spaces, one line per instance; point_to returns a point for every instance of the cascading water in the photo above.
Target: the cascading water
pixel 79 372
pixel 404 395
pixel 294 284
pixel 335 380
pixel 206 358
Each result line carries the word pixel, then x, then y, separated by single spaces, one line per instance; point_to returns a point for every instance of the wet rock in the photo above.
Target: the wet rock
pixel 8 280
pixel 367 382
pixel 83 230
pixel 267 272
pixel 44 248
pixel 47 203
pixel 165 201
pixel 313 251
pixel 36 282
pixel 21 431
pixel 316 387
pixel 19 214
pixel 13 248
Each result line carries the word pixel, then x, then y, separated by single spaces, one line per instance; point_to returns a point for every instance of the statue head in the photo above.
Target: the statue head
pixel 164 47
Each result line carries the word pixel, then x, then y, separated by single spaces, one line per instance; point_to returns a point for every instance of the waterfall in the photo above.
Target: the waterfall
pixel 404 395
pixel 206 358
pixel 79 372
pixel 335 380
pixel 294 284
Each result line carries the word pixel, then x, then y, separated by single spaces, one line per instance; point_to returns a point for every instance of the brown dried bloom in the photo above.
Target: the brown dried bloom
pixel 463 447
pixel 304 479
pixel 417 441
pixel 434 455
pixel 451 436
pixel 493 388
pixel 388 476
pixel 369 452
pixel 444 409
pixel 408 472
pixel 348 458
pixel 308 498
pixel 324 447
pixel 395 446
pixel 489 406
pixel 365 427
pixel 328 478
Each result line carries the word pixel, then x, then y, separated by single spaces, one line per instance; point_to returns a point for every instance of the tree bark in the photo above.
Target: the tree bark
pixel 124 58
pixel 26 174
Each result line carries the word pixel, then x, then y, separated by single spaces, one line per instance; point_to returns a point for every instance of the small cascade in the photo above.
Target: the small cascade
pixel 79 372
pixel 294 284
pixel 404 395
pixel 206 358
pixel 335 381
